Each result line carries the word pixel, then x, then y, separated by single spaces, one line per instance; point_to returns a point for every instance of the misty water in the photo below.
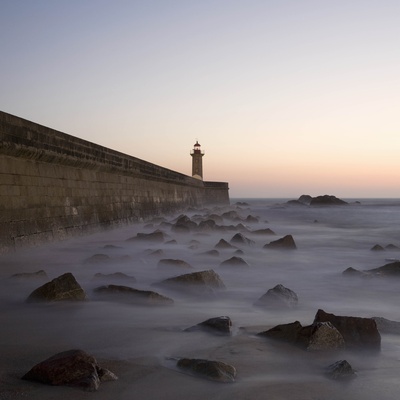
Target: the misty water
pixel 140 341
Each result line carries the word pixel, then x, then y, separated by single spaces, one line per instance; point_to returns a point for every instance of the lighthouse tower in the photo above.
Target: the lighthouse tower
pixel 197 161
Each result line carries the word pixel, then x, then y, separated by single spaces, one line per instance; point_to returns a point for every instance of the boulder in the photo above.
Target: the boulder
pixel 279 296
pixel 220 325
pixel 324 336
pixel 377 247
pixel 340 370
pixel 213 253
pixel 250 219
pixel 31 275
pixel 202 282
pixel 156 237
pixel 223 244
pixel 173 263
pixel 184 224
pixel 97 259
pixel 391 246
pixel 358 333
pixel 266 231
pixel 142 297
pixel 241 240
pixel 354 272
pixel 207 225
pixel 287 242
pixel 305 199
pixel 65 287
pixel 234 262
pixel 284 332
pixel 391 269
pixel 70 368
pixel 214 370
pixel 231 215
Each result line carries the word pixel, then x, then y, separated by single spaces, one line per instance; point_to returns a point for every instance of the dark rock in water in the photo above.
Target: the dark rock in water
pixel 324 336
pixel 111 247
pixel 391 269
pixel 31 275
pixel 241 239
pixel 358 333
pixel 213 370
pixel 156 236
pixel 284 332
pixel 250 219
pixel 266 231
pixel 223 244
pixel 70 368
pixel 155 253
pixel 173 241
pixel 287 242
pixel 221 325
pixel 173 263
pixel 387 326
pixel 242 203
pixel 279 296
pixel 97 259
pixel 231 215
pixel 235 262
pixel 340 370
pixel 353 272
pixel 305 199
pixel 114 276
pixel 214 253
pixel 391 246
pixel 239 252
pixel 207 225
pixel 327 200
pixel 203 282
pixel 65 287
pixel 184 224
pixel 377 247
pixel 145 297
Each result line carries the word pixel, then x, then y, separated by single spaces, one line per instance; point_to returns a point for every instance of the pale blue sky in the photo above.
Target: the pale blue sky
pixel 285 97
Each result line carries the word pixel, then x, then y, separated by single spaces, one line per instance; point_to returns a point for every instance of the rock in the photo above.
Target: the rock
pixel 97 259
pixel 234 262
pixel 65 287
pixel 221 325
pixel 391 246
pixel 305 199
pixel 114 276
pixel 155 253
pixel 223 244
pixel 213 253
pixel 287 242
pixel 70 368
pixel 173 263
pixel 377 247
pixel 213 370
pixel 391 269
pixel 241 239
pixel 340 370
pixel 203 282
pixel 284 332
pixel 231 215
pixel 173 241
pixel 207 225
pixel 327 200
pixel 143 297
pixel 250 219
pixel 279 296
pixel 358 333
pixel 387 326
pixel 324 336
pixel 353 272
pixel 156 236
pixel 31 275
pixel 266 231
pixel 184 224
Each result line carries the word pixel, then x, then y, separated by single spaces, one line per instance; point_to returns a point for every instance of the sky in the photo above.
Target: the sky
pixel 286 97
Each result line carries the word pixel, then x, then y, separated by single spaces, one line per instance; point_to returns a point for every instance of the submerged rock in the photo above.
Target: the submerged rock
pixel 241 239
pixel 214 370
pixel 287 242
pixel 97 259
pixel 377 247
pixel 70 368
pixel 65 287
pixel 221 325
pixel 234 262
pixel 31 275
pixel 114 276
pixel 223 244
pixel 358 333
pixel 340 370
pixel 156 236
pixel 173 263
pixel 144 297
pixel 279 296
pixel 265 231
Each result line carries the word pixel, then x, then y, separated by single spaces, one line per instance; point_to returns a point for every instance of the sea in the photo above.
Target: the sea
pixel 149 339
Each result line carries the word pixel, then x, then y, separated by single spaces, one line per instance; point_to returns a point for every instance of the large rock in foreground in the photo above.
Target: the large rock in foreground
pixel 65 287
pixel 214 370
pixel 70 368
pixel 358 333
pixel 143 297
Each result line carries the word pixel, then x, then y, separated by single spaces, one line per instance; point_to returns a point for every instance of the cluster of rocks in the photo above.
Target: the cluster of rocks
pixel 324 200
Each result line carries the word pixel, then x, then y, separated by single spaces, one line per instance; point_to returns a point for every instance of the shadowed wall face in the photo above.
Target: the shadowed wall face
pixel 54 185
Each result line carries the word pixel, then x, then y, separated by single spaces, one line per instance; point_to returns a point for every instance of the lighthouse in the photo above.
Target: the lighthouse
pixel 197 161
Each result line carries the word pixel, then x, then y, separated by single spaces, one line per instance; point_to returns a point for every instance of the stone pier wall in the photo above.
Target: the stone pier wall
pixel 53 186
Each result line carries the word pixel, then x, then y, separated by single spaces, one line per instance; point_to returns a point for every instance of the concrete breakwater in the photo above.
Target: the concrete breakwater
pixel 54 185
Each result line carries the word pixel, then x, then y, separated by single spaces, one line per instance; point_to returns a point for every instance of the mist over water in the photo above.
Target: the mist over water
pixel 328 239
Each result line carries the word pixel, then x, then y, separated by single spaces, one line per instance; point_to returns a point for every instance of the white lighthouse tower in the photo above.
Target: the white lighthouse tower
pixel 197 161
